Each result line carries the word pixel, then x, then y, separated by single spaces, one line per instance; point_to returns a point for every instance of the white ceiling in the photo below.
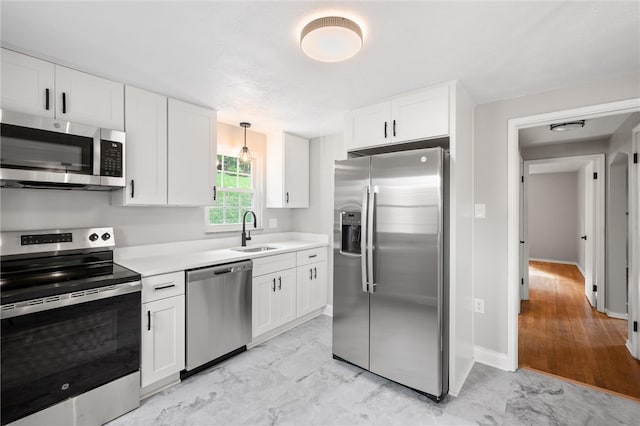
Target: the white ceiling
pixel 243 59
pixel 594 129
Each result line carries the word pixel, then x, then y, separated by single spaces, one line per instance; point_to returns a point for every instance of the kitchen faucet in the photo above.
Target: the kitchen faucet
pixel 246 238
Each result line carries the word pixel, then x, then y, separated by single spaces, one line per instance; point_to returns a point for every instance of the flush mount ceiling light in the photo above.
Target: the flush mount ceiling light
pixel 565 127
pixel 245 155
pixel 331 39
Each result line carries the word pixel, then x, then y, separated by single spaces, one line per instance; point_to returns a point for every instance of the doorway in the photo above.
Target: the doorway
pixel 516 264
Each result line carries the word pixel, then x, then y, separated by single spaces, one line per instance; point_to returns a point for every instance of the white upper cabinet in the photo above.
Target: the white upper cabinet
pixel 287 172
pixel 37 87
pixel 88 99
pixel 146 156
pixel 418 115
pixel 368 126
pixel 27 84
pixel 191 154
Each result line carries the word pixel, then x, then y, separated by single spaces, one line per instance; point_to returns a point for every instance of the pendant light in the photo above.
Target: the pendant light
pixel 245 155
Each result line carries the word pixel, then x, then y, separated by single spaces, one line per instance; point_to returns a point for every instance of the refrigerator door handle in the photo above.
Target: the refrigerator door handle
pixel 363 241
pixel 370 239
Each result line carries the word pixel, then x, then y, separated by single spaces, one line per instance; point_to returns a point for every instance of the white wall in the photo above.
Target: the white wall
pixel 318 218
pixel 30 209
pixel 552 217
pixel 565 149
pixel 490 234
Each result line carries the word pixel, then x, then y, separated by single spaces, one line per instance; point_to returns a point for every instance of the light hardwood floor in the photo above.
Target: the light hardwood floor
pixel 561 334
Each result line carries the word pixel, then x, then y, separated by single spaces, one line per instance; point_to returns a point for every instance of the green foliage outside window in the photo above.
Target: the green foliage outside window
pixel 234 181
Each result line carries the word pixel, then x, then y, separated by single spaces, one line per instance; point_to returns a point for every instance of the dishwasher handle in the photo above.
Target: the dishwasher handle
pixel 218 271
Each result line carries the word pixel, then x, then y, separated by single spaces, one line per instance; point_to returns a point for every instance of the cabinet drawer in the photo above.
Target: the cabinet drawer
pixel 312 255
pixel 270 264
pixel 162 286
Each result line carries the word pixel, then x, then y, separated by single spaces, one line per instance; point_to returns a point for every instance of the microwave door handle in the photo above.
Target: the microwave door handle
pixel 364 242
pixel 96 153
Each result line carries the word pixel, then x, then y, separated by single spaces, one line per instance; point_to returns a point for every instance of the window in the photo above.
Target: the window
pixel 235 183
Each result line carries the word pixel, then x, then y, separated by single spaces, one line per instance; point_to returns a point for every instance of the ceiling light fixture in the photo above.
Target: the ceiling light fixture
pixel 565 127
pixel 331 39
pixel 245 155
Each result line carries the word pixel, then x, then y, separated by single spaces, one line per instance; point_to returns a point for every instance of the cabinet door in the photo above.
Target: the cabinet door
pixel 368 126
pixel 163 345
pixel 296 171
pixel 286 296
pixel 192 154
pixel 263 304
pixel 303 291
pixel 25 83
pixel 420 115
pixel 318 297
pixel 146 159
pixel 88 99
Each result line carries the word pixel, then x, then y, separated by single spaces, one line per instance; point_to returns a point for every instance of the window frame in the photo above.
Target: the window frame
pixel 258 194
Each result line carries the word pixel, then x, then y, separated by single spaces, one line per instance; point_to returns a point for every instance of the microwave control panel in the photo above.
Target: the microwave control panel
pixel 110 158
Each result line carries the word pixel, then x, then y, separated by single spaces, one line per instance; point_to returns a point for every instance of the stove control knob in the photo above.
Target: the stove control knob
pixel 93 237
pixel 106 236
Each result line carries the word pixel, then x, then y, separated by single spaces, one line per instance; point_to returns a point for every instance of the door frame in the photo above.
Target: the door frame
pixel 513 198
pixel 633 343
pixel 597 233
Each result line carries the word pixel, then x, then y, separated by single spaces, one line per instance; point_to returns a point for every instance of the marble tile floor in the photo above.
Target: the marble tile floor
pixel 293 380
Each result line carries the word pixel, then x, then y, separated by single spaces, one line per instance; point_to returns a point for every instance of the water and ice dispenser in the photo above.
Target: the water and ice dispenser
pixel 351 231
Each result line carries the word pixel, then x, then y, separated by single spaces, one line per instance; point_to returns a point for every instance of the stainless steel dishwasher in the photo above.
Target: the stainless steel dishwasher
pixel 218 313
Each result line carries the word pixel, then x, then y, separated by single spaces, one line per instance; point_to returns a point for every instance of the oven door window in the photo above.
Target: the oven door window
pixel 53 355
pixel 33 149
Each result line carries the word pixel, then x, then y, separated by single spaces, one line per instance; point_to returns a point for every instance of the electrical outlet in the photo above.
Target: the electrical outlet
pixel 478 305
pixel 481 211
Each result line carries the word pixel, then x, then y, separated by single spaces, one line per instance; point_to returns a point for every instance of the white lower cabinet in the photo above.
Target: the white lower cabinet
pixel 163 328
pixel 274 300
pixel 311 287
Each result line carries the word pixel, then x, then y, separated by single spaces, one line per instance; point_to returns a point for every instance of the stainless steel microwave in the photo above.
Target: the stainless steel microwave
pixel 38 152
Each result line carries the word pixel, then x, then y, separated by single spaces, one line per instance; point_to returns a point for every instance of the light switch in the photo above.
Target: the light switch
pixel 481 211
pixel 273 223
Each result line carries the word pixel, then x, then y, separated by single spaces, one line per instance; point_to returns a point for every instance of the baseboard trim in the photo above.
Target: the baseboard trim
pixel 491 358
pixel 563 262
pixel 628 346
pixel 455 390
pixel 580 269
pixel 616 315
pixel 328 310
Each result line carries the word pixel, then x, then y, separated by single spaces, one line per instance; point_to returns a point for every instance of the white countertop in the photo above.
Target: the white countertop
pixel 173 257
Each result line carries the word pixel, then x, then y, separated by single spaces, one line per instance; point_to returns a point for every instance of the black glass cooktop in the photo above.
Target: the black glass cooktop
pixel 37 277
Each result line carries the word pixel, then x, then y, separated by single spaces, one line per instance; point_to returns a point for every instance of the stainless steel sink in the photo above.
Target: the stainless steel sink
pixel 253 249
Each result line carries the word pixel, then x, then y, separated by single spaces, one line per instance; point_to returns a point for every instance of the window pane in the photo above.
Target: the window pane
pixel 221 197
pixel 216 215
pixel 232 215
pixel 246 200
pixel 231 199
pixel 219 162
pixel 245 167
pixel 219 179
pixel 244 182
pixel 230 164
pixel 229 180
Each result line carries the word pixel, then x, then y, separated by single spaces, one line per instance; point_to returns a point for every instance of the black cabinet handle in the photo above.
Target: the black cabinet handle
pixel 385 129
pixel 287 198
pixel 394 127
pixel 215 193
pixel 315 273
pixel 274 284
pixel 64 103
pixel 163 287
pixel 148 320
pixel 310 273
pixel 133 188
pixel 279 283
pixel 312 256
pixel 46 99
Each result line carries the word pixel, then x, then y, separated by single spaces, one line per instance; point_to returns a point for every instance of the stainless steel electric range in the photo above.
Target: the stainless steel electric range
pixel 70 328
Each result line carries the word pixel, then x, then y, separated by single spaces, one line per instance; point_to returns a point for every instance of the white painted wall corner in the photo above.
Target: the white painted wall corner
pixel 328 310
pixel 491 358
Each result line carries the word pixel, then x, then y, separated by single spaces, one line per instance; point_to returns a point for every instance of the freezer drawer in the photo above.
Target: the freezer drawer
pixel 218 311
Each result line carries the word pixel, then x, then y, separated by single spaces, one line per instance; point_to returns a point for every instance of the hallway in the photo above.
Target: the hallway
pixel 561 334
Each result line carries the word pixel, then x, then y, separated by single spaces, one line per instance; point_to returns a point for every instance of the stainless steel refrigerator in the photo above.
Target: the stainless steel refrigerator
pixel 390 300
